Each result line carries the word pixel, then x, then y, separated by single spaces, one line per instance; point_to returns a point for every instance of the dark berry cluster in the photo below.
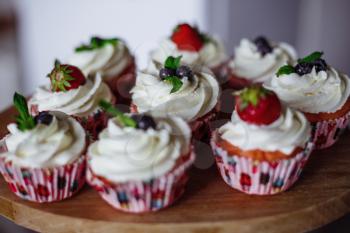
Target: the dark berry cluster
pixel 180 72
pixel 43 118
pixel 263 45
pixel 306 67
pixel 144 121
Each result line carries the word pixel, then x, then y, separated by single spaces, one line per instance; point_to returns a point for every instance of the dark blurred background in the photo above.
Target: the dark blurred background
pixel 33 33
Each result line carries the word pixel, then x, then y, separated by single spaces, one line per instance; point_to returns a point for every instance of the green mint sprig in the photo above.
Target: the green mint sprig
pixel 95 43
pixel 311 58
pixel 175 82
pixel 172 62
pixel 122 118
pixel 24 120
pixel 284 70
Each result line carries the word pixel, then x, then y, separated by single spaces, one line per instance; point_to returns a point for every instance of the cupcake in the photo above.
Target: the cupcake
pixel 196 48
pixel 112 59
pixel 41 158
pixel 264 147
pixel 256 61
pixel 173 89
pixel 140 163
pixel 74 94
pixel 321 92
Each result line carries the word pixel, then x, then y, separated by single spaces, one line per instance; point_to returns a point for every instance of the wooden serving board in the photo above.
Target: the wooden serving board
pixel 320 196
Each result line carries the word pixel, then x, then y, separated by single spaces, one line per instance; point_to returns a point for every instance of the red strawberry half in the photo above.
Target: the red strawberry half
pixel 187 38
pixel 258 106
pixel 65 77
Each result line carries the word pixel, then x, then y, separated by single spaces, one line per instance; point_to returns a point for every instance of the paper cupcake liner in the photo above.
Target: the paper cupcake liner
pixel 326 133
pixel 43 185
pixel 123 83
pixel 260 177
pixel 142 196
pixel 200 127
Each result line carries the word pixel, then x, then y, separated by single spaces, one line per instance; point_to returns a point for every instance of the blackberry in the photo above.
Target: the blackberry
pixel 165 72
pixel 303 68
pixel 320 65
pixel 184 71
pixel 263 45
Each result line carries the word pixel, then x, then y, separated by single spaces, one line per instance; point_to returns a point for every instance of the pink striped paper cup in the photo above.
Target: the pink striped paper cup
pixel 326 133
pixel 143 196
pixel 43 184
pixel 259 177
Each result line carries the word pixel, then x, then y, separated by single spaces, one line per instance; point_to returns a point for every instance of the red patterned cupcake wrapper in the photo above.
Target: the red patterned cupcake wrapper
pixel 43 185
pixel 326 133
pixel 141 196
pixel 260 177
pixel 94 124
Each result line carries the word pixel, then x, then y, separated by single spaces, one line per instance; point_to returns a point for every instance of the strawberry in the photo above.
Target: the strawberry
pixel 258 106
pixel 187 38
pixel 65 77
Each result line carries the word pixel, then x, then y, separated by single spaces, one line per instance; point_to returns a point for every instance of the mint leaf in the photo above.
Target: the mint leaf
pixel 175 82
pixel 311 58
pixel 122 118
pixel 24 121
pixel 95 43
pixel 172 62
pixel 287 69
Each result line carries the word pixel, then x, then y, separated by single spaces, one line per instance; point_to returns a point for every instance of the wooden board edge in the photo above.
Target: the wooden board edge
pixel 298 221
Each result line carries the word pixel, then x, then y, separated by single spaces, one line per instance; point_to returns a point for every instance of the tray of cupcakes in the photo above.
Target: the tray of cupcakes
pixel 71 132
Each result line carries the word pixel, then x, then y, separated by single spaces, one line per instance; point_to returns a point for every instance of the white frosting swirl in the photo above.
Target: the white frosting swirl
pixel 128 154
pixel 109 60
pixel 289 131
pixel 46 146
pixel 325 91
pixel 248 62
pixel 80 102
pixel 195 98
pixel 212 54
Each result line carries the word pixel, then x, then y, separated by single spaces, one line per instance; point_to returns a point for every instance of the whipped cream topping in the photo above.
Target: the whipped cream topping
pixel 325 91
pixel 248 62
pixel 80 102
pixel 46 146
pixel 129 154
pixel 109 61
pixel 212 54
pixel 196 97
pixel 289 131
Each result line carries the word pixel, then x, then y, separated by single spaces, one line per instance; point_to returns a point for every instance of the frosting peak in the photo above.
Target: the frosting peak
pixel 110 60
pixel 315 92
pixel 59 143
pixel 211 54
pixel 250 64
pixel 289 131
pixel 194 99
pixel 80 102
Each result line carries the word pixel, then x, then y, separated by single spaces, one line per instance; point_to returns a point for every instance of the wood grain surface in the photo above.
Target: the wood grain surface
pixel 320 196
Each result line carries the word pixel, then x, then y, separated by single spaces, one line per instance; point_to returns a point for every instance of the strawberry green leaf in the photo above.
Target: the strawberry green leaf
pixel 122 118
pixel 311 58
pixel 172 62
pixel 284 70
pixel 175 82
pixel 24 120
